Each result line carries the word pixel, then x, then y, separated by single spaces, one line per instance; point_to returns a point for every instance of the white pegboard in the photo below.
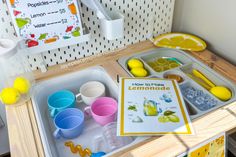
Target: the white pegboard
pixel 141 18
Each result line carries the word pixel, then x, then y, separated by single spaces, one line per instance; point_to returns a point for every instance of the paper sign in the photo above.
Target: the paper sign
pixel 42 22
pixel 150 106
pixel 214 147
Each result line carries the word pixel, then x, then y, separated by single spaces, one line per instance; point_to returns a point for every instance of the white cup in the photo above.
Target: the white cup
pixel 90 91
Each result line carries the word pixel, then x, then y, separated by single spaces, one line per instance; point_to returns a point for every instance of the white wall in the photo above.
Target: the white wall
pixel 212 20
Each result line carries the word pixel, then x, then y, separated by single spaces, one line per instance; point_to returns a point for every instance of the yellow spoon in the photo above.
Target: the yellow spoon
pixel 199 82
pixel 220 92
pixel 203 77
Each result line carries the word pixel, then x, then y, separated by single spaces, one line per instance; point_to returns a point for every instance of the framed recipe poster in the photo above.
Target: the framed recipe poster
pixel 151 106
pixel 214 147
pixel 46 24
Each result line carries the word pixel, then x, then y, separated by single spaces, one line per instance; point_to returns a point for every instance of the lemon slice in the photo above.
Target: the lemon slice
pixel 161 61
pixel 158 68
pixel 180 41
pixel 173 65
pixel 152 64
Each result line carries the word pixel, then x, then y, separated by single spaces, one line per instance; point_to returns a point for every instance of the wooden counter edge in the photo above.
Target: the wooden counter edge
pixel 26 141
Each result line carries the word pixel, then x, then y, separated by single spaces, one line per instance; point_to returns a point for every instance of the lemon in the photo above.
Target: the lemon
pixel 139 72
pixel 221 92
pixel 22 85
pixel 180 41
pixel 9 96
pixel 134 63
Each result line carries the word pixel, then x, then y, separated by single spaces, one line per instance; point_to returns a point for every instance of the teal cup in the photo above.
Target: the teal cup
pixel 60 101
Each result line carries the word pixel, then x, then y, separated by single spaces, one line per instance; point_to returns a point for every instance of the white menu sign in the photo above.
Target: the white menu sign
pixel 42 22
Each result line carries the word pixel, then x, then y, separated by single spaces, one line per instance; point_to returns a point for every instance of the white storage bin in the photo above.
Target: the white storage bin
pixel 72 82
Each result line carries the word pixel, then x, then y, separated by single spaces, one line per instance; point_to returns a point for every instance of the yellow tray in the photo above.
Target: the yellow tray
pixel 180 41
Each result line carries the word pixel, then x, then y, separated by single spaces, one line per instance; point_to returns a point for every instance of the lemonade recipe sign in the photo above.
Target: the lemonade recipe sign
pixel 42 22
pixel 150 106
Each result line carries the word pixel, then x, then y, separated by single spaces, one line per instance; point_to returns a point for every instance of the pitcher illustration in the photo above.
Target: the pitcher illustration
pixel 150 108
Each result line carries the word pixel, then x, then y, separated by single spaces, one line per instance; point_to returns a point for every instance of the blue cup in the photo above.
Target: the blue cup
pixel 60 100
pixel 69 123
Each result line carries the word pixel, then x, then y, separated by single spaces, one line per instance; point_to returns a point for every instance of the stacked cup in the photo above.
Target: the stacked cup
pixel 69 121
pixel 102 109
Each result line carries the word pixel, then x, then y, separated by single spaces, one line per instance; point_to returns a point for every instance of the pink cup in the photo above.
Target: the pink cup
pixel 103 110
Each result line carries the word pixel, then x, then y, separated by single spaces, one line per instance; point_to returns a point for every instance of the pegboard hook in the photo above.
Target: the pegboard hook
pixel 112 23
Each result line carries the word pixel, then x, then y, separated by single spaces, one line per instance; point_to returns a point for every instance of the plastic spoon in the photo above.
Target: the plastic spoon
pixel 199 82
pixel 203 77
pixel 220 92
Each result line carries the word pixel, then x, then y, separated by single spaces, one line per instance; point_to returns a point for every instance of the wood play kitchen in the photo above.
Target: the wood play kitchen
pixel 97 78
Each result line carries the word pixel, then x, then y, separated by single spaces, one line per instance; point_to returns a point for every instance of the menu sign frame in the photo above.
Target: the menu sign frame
pixel 47 24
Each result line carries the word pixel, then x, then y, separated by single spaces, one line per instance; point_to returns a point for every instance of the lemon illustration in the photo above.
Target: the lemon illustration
pixel 9 96
pixel 22 85
pixel 163 119
pixel 173 118
pixel 135 63
pixel 139 72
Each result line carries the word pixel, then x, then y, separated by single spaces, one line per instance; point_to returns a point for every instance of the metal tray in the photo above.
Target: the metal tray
pixel 188 63
pixel 73 81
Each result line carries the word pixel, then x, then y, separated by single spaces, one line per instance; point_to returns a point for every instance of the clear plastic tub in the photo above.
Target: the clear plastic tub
pixel 92 130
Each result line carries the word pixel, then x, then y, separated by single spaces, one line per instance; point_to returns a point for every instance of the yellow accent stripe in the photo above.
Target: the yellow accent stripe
pixel 155 133
pixel 182 108
pixel 122 132
pixel 122 106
